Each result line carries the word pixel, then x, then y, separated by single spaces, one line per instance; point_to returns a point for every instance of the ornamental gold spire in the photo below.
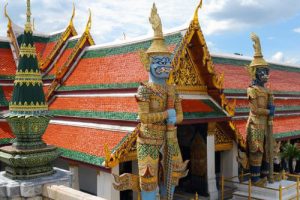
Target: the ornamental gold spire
pixel 28 27
pixel 29 156
pixel 158 45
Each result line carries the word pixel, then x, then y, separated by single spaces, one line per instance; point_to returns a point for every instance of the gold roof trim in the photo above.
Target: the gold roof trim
pixel 125 152
pixel 73 15
pixel 70 31
pixel 7 16
pixel 62 70
pixel 89 22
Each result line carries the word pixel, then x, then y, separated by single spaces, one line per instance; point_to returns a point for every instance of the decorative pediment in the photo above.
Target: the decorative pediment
pixel 223 142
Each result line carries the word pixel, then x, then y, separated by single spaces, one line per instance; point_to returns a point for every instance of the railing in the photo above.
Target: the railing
pixel 283 176
pixel 61 192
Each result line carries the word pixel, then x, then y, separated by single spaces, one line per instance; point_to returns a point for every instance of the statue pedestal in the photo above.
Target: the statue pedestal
pixel 33 188
pixel 270 192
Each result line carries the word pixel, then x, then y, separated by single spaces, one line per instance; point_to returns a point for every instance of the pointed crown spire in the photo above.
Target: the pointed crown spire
pixel 158 45
pixel 258 60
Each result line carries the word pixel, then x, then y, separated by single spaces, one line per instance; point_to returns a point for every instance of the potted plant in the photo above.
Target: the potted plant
pixel 290 152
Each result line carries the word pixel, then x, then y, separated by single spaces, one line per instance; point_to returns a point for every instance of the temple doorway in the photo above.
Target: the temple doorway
pixel 192 142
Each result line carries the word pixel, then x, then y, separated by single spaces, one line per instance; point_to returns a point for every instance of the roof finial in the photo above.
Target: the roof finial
pixel 195 19
pixel 6 14
pixel 89 23
pixel 28 27
pixel 73 14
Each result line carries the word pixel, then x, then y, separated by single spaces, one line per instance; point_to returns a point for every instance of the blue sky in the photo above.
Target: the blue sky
pixel 226 24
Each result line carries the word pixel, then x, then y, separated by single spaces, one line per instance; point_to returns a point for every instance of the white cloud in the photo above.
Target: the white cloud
pixel 278 57
pixel 297 30
pixel 112 18
pixel 281 58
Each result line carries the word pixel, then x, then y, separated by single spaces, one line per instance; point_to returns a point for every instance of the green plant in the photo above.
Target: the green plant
pixel 290 152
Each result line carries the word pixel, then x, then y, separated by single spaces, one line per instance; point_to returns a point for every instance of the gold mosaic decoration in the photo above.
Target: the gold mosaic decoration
pixel 28 77
pixel 14 106
pixel 27 50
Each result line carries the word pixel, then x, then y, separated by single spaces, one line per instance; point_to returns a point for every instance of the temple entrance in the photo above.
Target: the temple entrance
pixel 192 142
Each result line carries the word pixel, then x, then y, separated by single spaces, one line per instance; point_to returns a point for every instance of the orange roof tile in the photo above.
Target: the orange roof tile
pixel 111 69
pixel 8 90
pixel 47 50
pixel 236 77
pixel 7 63
pixel 281 125
pixel 105 104
pixel 5 131
pixel 86 140
pixel 62 59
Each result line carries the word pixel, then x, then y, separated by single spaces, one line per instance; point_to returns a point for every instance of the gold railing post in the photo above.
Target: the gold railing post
pixel 222 186
pixel 249 189
pixel 139 197
pixel 280 192
pixel 297 188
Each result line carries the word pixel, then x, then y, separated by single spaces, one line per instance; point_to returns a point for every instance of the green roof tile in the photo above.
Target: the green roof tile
pixel 170 39
pixel 4 45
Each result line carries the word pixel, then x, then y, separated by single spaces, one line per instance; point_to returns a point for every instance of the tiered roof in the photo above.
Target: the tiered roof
pixel 91 88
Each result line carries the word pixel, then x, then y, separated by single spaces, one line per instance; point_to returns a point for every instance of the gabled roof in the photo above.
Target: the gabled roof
pixel 47 45
pixel 93 86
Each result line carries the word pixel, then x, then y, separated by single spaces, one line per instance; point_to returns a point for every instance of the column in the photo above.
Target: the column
pixel 229 162
pixel 104 184
pixel 75 178
pixel 135 170
pixel 211 175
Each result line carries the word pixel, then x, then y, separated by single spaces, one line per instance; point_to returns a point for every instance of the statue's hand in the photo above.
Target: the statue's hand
pixel 171 116
pixel 271 109
pixel 171 113
pixel 171 121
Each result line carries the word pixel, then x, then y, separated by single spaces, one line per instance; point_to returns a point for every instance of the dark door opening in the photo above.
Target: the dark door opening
pixel 192 142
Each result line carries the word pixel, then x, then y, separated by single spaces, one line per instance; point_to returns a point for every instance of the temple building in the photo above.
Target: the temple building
pixel 91 90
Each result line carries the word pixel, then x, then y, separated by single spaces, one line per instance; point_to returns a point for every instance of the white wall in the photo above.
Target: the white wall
pixel 88 180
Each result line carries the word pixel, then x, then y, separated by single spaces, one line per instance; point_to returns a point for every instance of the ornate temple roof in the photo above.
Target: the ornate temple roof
pixel 90 89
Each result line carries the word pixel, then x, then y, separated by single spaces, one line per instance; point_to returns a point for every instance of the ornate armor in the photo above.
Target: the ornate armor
pixel 257 127
pixel 153 104
pixel 259 130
